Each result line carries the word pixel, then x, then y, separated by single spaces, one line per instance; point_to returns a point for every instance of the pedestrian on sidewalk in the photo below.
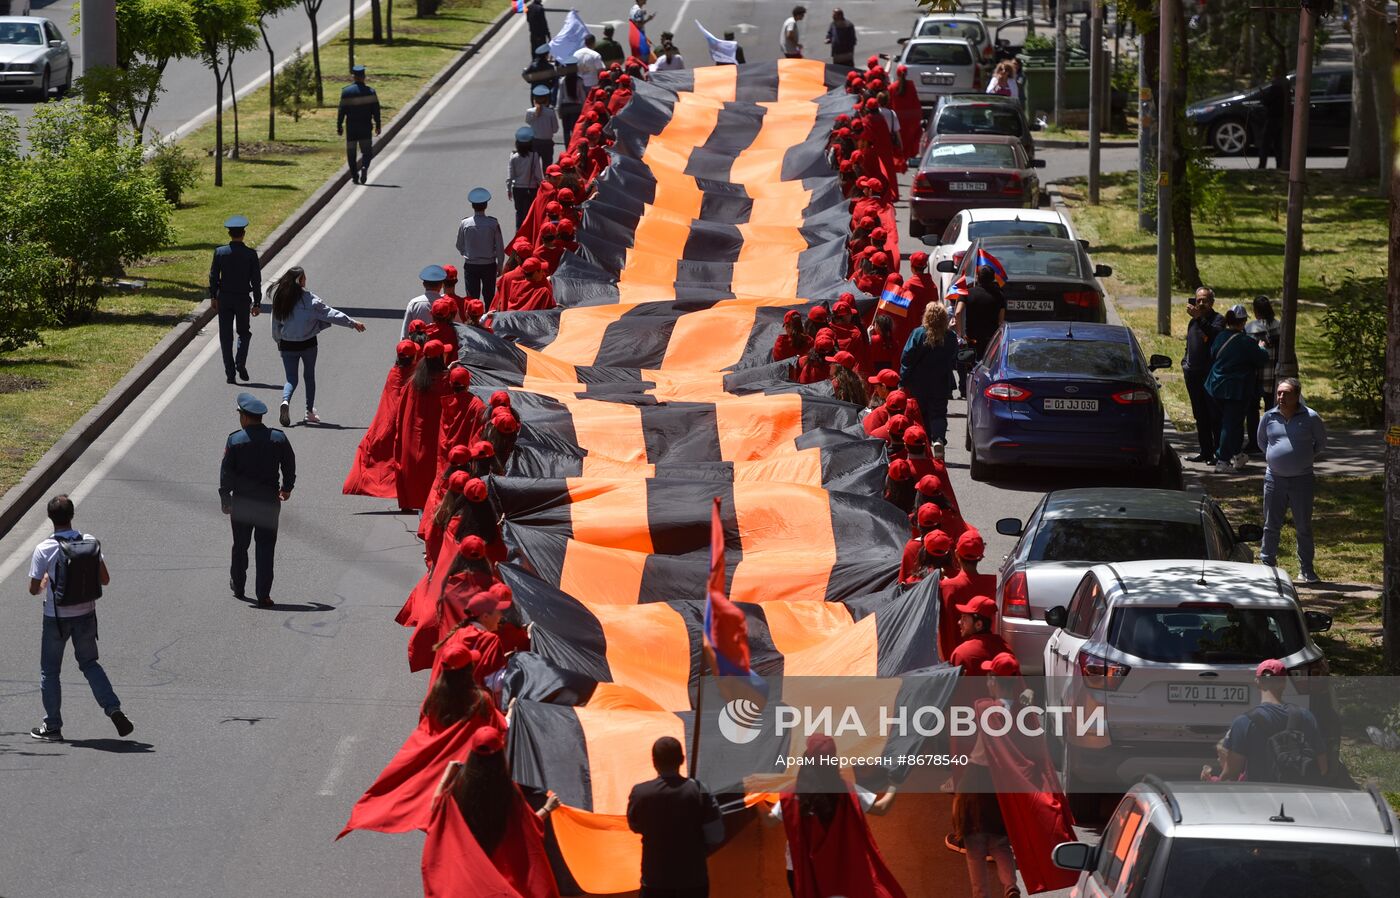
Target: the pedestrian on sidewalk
pixel 1274 112
pixel 235 284
pixel 69 570
pixel 298 315
pixel 679 822
pixel 791 35
pixel 1292 436
pixel 257 475
pixel 1235 358
pixel 841 35
pixel 1201 330
pixel 524 173
pixel 358 119
pixel 1266 329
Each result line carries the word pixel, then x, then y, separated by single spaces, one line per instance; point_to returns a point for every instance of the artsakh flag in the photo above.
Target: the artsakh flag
pixel 519 5
pixel 637 38
pixel 726 627
pixel 986 258
pixel 894 302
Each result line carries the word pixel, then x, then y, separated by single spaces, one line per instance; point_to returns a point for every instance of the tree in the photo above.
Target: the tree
pixel 150 33
pixel 1185 177
pixel 26 266
pixel 376 22
pixel 225 26
pixel 1390 600
pixel 1371 92
pixel 313 9
pixel 268 9
pixel 295 86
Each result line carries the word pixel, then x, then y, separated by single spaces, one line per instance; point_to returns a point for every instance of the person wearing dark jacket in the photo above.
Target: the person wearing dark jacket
pixel 1205 323
pixel 257 475
pixel 926 371
pixel 358 119
pixel 1274 105
pixel 981 312
pixel 538 25
pixel 235 286
pixel 1231 383
pixel 679 822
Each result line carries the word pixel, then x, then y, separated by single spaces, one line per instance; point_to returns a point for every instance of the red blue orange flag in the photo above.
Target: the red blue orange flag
pixel 894 302
pixel 726 627
pixel 957 289
pixel 991 261
pixel 637 38
pixel 519 5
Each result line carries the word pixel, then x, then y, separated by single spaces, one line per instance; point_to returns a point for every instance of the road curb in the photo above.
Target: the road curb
pixel 1051 143
pixel 75 441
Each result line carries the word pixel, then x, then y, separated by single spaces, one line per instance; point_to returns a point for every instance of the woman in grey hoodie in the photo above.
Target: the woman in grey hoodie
pixel 298 315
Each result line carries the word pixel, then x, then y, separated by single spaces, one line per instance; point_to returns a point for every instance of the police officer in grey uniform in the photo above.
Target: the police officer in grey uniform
pixel 358 119
pixel 482 248
pixel 251 493
pixel 235 286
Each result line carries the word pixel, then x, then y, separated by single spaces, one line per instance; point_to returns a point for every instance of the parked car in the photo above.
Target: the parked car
pixel 967 26
pixel 1046 277
pixel 1167 649
pixel 969 224
pixel 979 113
pixel 1230 122
pixel 979 169
pixel 1076 396
pixel 1244 840
pixel 1072 530
pixel 34 57
pixel 942 65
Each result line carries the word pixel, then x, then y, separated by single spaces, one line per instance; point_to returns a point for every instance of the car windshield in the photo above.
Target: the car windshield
pixel 939 28
pixel 971 155
pixel 1206 636
pixel 1086 358
pixel 938 54
pixel 1016 229
pixel 1037 261
pixel 23 33
pixel 1096 540
pixel 979 118
pixel 1268 869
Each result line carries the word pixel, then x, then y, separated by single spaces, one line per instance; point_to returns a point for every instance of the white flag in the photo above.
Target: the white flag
pixel 721 52
pixel 569 40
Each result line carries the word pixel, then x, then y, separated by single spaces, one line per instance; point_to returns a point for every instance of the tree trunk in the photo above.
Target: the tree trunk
pixel 1183 230
pixel 1370 55
pixel 389 21
pixel 316 56
pixel 218 125
pixel 1390 601
pixel 376 22
pixel 1280 46
pixel 149 104
pixel 271 85
pixel 233 95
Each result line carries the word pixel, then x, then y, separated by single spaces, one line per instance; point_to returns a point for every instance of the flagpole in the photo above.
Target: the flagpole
pixel 694 759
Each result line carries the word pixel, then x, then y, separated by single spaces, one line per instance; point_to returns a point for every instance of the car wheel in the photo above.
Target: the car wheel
pixel 67 84
pixel 42 93
pixel 976 468
pixel 1229 137
pixel 916 228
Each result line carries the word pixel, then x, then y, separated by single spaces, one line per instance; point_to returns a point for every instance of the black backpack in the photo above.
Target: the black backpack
pixel 1290 756
pixel 77 575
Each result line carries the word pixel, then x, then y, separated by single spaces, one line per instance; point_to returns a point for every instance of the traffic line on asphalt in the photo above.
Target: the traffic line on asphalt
pixel 182 380
pixel 339 760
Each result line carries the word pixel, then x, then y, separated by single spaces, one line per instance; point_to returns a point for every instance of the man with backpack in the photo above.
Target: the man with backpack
pixel 69 571
pixel 1275 742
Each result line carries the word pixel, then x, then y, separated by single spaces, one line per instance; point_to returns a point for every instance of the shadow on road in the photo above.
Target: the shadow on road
pixel 115 746
pixel 285 606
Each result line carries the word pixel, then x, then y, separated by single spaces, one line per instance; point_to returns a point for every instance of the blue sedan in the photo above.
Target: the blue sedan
pixel 1064 394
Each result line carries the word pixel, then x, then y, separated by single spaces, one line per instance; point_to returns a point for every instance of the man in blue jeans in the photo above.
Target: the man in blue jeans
pixel 1292 436
pixel 77 622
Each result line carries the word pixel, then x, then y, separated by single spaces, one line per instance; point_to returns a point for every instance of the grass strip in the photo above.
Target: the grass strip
pixel 45 389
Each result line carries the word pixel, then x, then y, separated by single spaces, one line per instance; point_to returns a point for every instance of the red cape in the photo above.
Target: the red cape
pixel 518 294
pixel 953 591
pixel 372 474
pixel 904 100
pixel 454 866
pixel 880 155
pixel 463 417
pixel 401 798
pixel 1033 806
pixel 786 348
pixel 416 446
pixel 493 655
pixel 851 338
pixel 422 599
pixel 434 621
pixel 530 227
pixel 840 859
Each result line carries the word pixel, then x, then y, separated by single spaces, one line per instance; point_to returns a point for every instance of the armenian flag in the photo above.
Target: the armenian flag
pixel 637 38
pixel 894 302
pixel 991 261
pixel 957 289
pixel 519 6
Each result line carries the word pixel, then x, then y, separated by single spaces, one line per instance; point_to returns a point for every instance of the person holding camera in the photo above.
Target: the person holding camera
pixel 69 571
pixel 1201 331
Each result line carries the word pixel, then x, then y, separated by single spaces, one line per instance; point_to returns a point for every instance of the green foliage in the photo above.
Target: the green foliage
pixel 150 33
pixel 25 266
pixel 175 169
pixel 296 86
pixel 1036 42
pixel 224 27
pixel 84 195
pixel 1354 325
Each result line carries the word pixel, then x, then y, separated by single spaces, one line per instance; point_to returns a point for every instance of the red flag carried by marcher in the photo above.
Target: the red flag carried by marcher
pixel 726 627
pixel 637 38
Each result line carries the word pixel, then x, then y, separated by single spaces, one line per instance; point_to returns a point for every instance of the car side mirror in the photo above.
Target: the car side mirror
pixel 1103 271
pixel 1056 616
pixel 1317 621
pixel 1084 243
pixel 946 266
pixel 966 357
pixel 903 40
pixel 1249 533
pixel 932 240
pixel 1037 163
pixel 1010 527
pixel 55 45
pixel 1075 856
pixel 1156 361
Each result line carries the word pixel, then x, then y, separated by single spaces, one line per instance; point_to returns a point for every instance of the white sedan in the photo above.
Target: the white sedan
pixel 969 224
pixel 34 56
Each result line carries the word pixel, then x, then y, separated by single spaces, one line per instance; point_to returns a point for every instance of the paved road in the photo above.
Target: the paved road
pixel 257 730
pixel 189 85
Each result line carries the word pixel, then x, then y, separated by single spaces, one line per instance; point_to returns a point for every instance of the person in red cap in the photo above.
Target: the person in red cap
pixel 926 521
pixel 845 382
pixel 527 289
pixel 420 416
pixel 961 588
pixel 872 202
pixel 829 844
pixel 881 384
pixel 469 573
pixel 372 473
pixel 444 504
pixel 817 317
pixel 813 367
pixel 474 314
pixel 443 328
pixel 483 838
pixel 792 342
pixel 935 555
pixel 873 275
pixel 976 620
pixel 463 415
pixel 899 485
pixel 926 467
pixel 850 336
pixel 477 630
pixel 882 152
pixel 921 290
pixel 501 432
pixel 1248 750
pixel 568 231
pixel 904 99
pixel 898 404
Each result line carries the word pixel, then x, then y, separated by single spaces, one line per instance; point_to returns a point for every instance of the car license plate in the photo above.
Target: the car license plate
pixel 942 78
pixel 1208 693
pixel 1030 305
pixel 1071 405
pixel 970 185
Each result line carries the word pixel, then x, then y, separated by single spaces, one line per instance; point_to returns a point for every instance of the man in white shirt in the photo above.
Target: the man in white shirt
pixel 420 307
pixel 669 60
pixel 639 15
pixel 64 619
pixel 791 38
pixel 590 63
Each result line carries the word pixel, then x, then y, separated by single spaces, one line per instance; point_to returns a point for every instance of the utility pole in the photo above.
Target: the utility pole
pixel 1166 55
pixel 1390 597
pixel 1297 185
pixel 1095 97
pixel 99 33
pixel 352 35
pixel 1061 48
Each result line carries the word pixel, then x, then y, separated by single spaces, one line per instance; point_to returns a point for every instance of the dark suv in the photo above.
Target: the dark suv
pixel 979 114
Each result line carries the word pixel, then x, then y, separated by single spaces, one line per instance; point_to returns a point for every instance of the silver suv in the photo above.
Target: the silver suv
pixel 1243 840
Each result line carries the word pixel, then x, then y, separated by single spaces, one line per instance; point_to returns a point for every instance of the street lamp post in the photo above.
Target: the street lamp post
pixel 1165 106
pixel 1095 97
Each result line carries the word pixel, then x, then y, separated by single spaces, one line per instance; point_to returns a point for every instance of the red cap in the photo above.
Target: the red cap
pixel 872 61
pixel 872 103
pixel 505 423
pixel 880 259
pixel 554 171
pixel 915 435
pixel 566 227
pixel 878 235
pixel 820 745
pixel 1270 668
pixel 455 655
pixel 594 131
pixel 866 222
pixel 482 449
pixel 897 425
pixel 918 261
pixel 475 490
pixel 791 315
pixel 520 246
pixel 843 308
pixel 407 348
pixel 417 326
pixel 566 194
pixel 458 455
pixel 451 272
pixel 498 399
pixel 929 516
pixel 824 343
pixel 901 69
pixel 434 349
pixel 817 313
pixel 1003 665
pixel 980 606
pixel 486 741
pixel 549 229
pixel 937 542
pixel 554 208
pixel 489 600
pixel 929 485
pixel 460 376
pixel 888 378
pixel 472 545
pixel 843 358
pixel 457 480
pixel 970 545
pixel 476 308
pixel 443 307
pixel 895 401
pixel 900 469
pixel 530 265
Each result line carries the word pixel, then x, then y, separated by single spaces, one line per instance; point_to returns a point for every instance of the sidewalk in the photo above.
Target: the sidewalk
pixel 1350 453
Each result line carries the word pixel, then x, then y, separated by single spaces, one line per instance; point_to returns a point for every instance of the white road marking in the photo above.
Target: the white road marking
pixel 339 759
pixel 680 17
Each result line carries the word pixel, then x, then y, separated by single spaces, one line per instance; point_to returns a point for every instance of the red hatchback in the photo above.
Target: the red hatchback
pixel 971 171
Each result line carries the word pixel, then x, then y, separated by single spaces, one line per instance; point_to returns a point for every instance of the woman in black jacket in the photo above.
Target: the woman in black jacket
pixel 926 371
